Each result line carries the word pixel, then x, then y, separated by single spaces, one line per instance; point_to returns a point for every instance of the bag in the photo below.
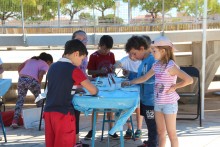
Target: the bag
pixel 7 118
pixel 31 117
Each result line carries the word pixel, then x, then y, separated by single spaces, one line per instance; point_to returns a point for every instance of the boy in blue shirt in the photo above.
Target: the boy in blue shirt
pixel 139 48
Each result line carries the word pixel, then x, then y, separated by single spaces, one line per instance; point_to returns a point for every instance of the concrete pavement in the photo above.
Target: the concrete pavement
pixel 189 132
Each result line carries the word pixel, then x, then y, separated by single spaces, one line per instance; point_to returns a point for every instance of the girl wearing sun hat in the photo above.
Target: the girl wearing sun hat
pixel 166 72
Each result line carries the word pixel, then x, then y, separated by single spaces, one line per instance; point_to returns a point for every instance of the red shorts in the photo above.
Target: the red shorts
pixel 60 129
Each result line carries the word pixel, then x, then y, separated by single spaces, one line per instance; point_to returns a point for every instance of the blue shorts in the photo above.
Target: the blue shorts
pixel 166 108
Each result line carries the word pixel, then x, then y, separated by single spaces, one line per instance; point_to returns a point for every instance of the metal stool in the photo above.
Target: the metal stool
pixel 3 127
pixel 2 104
pixel 109 121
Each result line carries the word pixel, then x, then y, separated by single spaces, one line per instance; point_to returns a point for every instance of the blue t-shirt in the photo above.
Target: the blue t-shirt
pixel 147 88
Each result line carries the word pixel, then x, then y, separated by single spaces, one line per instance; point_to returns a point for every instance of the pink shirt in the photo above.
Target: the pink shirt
pixel 33 66
pixel 163 82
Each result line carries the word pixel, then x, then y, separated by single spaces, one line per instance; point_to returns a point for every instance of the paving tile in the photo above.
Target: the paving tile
pixel 189 133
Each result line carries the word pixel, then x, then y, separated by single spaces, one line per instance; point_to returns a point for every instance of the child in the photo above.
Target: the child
pixel 101 63
pixel 1 67
pixel 31 73
pixel 139 48
pixel 130 66
pixel 166 97
pixel 59 112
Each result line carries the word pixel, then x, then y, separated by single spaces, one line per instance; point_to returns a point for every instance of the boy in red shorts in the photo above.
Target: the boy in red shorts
pixel 59 112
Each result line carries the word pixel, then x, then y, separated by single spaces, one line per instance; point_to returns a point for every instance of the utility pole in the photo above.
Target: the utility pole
pixel 129 13
pixel 22 21
pixel 58 13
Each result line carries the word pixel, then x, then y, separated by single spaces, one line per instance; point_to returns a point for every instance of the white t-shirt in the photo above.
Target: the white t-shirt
pixel 129 64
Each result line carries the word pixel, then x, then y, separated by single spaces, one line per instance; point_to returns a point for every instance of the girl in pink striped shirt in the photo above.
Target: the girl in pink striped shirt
pixel 166 97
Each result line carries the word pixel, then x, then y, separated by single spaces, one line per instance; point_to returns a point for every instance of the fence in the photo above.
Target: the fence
pixel 25 18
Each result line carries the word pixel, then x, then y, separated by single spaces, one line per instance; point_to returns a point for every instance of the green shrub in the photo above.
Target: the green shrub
pixel 86 16
pixel 110 18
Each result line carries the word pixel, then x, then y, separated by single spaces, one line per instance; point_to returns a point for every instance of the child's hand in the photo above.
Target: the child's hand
pixel 172 89
pixel 111 68
pixel 125 72
pixel 104 70
pixel 125 83
pixel 80 90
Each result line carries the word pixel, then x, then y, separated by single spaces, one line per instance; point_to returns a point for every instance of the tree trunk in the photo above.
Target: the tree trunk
pixel 3 26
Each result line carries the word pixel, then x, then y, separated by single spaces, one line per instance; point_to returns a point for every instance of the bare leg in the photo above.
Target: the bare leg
pixel 111 116
pixel 139 119
pixel 161 128
pixel 170 120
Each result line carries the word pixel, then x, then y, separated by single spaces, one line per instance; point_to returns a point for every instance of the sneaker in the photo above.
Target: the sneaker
pixel 137 134
pixel 114 136
pixel 80 144
pixel 88 136
pixel 128 134
pixel 14 125
pixel 145 144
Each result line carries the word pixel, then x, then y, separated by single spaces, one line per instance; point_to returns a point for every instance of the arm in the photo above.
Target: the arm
pixel 21 66
pixel 1 69
pixel 125 72
pixel 90 87
pixel 118 65
pixel 185 78
pixel 80 79
pixel 97 72
pixel 92 69
pixel 139 80
pixel 40 75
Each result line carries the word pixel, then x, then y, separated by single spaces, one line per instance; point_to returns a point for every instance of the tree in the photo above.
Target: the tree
pixel 72 8
pixel 195 7
pixel 111 18
pixel 101 5
pixel 133 4
pixel 86 16
pixel 40 9
pixel 9 9
pixel 155 6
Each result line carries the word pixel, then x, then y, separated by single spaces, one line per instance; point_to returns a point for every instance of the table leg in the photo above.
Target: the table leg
pixel 121 138
pixel 94 128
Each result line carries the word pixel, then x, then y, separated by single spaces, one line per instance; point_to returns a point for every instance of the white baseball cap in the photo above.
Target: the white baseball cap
pixel 163 41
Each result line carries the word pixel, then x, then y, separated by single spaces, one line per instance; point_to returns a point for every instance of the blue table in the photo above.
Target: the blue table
pixel 123 100
pixel 5 84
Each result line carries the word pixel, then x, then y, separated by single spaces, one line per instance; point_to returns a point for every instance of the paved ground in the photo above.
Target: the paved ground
pixel 189 132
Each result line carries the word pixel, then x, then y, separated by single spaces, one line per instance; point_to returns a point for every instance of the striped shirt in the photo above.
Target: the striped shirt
pixel 163 82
